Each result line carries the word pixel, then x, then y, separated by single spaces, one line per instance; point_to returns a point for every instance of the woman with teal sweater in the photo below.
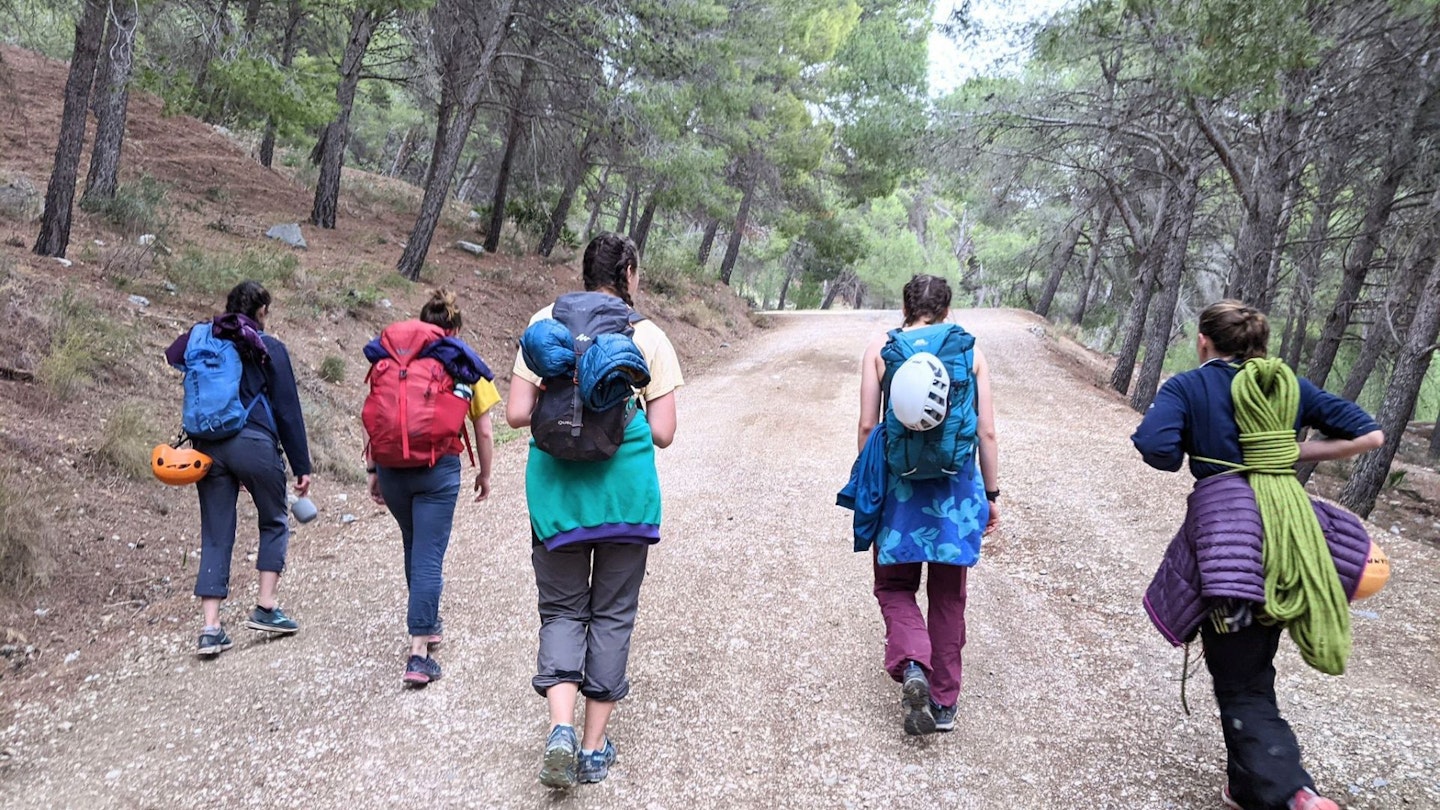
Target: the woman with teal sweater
pixel 592 525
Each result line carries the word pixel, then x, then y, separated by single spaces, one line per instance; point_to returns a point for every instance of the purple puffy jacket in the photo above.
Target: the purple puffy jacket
pixel 1217 555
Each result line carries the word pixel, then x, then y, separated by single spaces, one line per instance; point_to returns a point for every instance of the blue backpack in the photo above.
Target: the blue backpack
pixel 213 369
pixel 946 448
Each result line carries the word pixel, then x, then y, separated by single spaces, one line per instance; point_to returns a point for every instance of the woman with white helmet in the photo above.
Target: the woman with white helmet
pixel 937 400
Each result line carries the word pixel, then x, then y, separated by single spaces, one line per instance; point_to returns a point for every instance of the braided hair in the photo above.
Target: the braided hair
pixel 927 298
pixel 607 263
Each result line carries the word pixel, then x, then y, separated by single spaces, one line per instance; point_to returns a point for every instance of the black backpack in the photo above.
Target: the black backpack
pixel 561 424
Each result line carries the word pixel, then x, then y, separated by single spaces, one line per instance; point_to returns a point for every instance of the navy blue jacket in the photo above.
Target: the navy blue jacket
pixel 1194 415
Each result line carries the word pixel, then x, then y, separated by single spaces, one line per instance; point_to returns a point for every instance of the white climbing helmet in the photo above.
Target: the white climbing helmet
pixel 920 391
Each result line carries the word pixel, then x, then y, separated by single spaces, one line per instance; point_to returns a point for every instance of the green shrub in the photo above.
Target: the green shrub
pixel 79 333
pixel 332 369
pixel 137 208
pixel 127 438
pixel 27 538
pixel 215 274
pixel 328 452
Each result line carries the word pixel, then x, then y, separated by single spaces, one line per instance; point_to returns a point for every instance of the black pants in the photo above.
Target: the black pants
pixel 1263 756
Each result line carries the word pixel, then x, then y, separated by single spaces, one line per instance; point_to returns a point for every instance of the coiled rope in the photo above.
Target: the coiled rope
pixel 1302 588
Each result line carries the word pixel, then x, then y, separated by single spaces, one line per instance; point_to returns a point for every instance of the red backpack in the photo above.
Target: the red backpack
pixel 412 415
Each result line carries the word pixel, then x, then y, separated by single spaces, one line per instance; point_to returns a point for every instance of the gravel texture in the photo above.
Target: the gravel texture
pixel 756 662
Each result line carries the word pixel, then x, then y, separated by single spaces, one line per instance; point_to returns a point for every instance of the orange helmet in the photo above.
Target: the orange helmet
pixel 1376 573
pixel 178 467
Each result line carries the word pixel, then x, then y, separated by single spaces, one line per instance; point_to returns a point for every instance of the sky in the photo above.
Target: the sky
pixel 952 63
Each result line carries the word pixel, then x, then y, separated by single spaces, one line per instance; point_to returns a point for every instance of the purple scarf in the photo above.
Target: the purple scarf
pixel 241 330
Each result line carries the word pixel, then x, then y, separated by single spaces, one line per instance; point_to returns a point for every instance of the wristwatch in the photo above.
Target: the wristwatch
pixel 992 494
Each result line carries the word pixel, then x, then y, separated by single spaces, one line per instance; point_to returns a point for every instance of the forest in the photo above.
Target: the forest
pixel 1142 159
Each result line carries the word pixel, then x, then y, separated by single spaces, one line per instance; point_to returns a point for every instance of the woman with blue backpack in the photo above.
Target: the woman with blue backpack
pixel 242 409
pixel 920 496
pixel 595 382
pixel 424 383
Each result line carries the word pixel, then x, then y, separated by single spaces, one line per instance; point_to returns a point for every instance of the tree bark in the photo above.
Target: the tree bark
pixel 578 168
pixel 1144 289
pixel 112 101
pixel 595 203
pixel 707 242
pixel 1059 262
pixel 1411 365
pixel 785 289
pixel 54 235
pixel 1309 265
pixel 641 233
pixel 288 46
pixel 514 128
pixel 1092 264
pixel 1171 275
pixel 469 74
pixel 732 246
pixel 625 202
pixel 337 133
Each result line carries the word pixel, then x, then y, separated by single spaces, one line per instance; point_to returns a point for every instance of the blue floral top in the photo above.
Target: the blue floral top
pixel 937 520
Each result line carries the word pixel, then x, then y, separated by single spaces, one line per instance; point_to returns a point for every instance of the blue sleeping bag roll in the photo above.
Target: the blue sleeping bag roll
pixel 548 349
pixel 610 370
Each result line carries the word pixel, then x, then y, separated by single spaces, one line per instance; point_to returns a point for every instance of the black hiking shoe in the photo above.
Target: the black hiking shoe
pixel 213 641
pixel 915 694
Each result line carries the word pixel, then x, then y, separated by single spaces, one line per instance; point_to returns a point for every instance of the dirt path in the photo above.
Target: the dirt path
pixel 756 664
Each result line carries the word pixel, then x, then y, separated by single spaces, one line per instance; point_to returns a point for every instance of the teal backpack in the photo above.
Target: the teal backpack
pixel 946 448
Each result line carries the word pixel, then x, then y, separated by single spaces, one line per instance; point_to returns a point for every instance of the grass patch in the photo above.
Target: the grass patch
pixel 504 434
pixel 350 292
pixel 79 335
pixel 332 369
pixel 212 274
pixel 27 539
pixel 328 453
pixel 697 313
pixel 127 439
pixel 137 208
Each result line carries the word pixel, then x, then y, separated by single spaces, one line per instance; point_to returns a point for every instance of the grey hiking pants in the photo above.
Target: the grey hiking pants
pixel 589 594
pixel 251 458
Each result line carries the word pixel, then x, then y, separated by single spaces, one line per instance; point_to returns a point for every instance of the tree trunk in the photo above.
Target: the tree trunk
pixel 337 133
pixel 785 289
pixel 1092 263
pixel 641 232
pixel 578 168
pixel 472 73
pixel 1309 266
pixel 1434 454
pixel 1140 296
pixel 707 242
pixel 625 202
pixel 732 247
pixel 514 128
pixel 1171 275
pixel 287 57
pixel 468 180
pixel 111 102
pixel 1371 470
pixel 595 205
pixel 54 235
pixel 1059 262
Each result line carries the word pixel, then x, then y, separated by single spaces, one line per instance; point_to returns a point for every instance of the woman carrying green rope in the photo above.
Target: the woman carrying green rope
pixel 1255 556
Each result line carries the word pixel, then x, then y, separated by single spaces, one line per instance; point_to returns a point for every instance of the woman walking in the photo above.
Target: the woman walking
pixel 922 511
pixel 425 381
pixel 1273 558
pixel 592 521
pixel 251 457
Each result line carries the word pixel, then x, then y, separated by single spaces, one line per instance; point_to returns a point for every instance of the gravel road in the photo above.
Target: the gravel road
pixel 756 662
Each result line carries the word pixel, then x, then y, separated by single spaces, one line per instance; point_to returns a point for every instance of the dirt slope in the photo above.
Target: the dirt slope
pixel 757 659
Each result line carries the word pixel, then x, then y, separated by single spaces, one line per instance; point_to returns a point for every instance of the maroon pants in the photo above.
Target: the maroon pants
pixel 934 644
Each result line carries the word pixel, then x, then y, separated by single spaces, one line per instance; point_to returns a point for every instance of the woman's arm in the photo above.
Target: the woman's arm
pixel 1324 448
pixel 485 449
pixel 986 435
pixel 521 402
pixel 661 414
pixel 870 373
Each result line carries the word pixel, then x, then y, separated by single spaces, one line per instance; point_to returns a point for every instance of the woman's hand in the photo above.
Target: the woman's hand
pixel 482 486
pixel 374 484
pixel 994 522
pixel 302 485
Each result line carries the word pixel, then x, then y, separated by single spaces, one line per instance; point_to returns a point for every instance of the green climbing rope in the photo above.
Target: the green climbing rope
pixel 1302 589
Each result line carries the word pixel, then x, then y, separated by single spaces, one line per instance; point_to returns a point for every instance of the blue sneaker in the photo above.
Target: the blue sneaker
pixel 559 767
pixel 944 716
pixel 421 670
pixel 213 641
pixel 595 765
pixel 915 694
pixel 273 620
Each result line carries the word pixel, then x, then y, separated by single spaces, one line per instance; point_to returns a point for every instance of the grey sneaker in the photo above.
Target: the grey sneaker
pixel 421 670
pixel 944 716
pixel 213 641
pixel 559 767
pixel 915 694
pixel 595 766
pixel 273 620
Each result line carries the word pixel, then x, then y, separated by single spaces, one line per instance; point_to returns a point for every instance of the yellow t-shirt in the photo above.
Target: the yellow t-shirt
pixel 484 398
pixel 659 355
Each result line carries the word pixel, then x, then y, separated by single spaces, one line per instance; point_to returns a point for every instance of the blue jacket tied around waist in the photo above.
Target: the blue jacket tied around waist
pixel 865 492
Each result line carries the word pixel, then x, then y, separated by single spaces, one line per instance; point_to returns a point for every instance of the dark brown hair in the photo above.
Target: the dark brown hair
pixel 607 263
pixel 1236 330
pixel 441 310
pixel 247 298
pixel 927 297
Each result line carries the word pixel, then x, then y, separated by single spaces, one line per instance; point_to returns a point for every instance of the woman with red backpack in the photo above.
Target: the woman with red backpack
pixel 592 521
pixel 928 501
pixel 424 383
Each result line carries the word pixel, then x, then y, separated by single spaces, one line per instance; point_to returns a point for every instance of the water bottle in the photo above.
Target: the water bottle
pixel 464 391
